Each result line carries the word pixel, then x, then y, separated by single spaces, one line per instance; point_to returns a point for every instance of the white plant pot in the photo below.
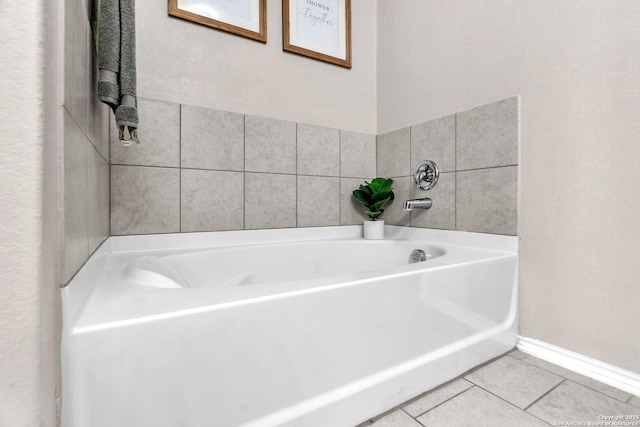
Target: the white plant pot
pixel 373 230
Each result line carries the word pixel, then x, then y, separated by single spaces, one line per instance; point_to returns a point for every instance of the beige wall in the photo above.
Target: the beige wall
pixel 182 62
pixel 29 303
pixel 575 65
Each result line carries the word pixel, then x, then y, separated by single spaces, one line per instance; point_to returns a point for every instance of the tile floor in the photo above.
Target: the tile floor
pixel 515 390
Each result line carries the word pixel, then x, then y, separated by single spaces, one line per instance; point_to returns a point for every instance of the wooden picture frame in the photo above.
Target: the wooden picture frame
pixel 247 18
pixel 319 29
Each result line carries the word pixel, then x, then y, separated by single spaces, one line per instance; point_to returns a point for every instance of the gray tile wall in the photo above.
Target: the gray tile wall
pixel 477 154
pixel 199 169
pixel 84 221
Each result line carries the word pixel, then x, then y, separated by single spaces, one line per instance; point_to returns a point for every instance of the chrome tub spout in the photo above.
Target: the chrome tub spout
pixel 409 205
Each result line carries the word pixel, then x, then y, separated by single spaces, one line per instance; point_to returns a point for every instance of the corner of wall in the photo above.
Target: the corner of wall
pixel 477 155
pixel 51 309
pixel 85 144
pixel 30 309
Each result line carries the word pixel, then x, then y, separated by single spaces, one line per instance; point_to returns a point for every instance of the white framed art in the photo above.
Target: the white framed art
pixel 247 18
pixel 319 29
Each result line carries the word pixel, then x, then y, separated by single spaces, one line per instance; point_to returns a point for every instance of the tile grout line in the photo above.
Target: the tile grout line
pixel 443 402
pixel 401 406
pixel 244 171
pixel 543 395
pixel 515 406
pixel 410 157
pixel 151 166
pixel 455 167
pixel 109 164
pixel 226 170
pixel 485 168
pixel 85 133
pixel 377 172
pixel 296 187
pixel 180 173
pixel 411 416
pixel 339 177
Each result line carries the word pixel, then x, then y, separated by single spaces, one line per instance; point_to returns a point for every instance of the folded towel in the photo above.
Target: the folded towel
pixel 113 24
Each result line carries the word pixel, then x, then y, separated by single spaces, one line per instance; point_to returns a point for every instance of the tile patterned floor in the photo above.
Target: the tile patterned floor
pixel 515 390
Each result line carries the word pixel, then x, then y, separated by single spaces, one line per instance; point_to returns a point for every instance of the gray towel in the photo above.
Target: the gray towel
pixel 114 30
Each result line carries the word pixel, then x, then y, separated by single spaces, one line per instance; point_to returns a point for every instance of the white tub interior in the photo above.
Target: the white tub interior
pixel 272 263
pixel 303 327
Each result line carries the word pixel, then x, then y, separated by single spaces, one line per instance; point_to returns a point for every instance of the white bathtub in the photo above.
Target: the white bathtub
pixel 292 327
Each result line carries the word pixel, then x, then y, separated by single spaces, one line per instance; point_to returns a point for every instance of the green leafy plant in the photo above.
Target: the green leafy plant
pixel 375 195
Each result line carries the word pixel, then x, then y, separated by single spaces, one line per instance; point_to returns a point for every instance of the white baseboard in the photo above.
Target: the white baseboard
pixel 619 378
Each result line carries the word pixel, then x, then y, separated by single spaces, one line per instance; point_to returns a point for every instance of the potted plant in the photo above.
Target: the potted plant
pixel 374 195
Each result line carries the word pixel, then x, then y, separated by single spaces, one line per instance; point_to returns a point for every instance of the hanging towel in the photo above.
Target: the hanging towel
pixel 114 31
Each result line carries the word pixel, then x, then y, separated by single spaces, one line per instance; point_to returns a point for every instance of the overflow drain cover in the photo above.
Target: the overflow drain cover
pixel 417 255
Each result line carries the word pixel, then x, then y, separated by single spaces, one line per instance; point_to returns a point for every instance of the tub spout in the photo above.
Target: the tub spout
pixel 417 204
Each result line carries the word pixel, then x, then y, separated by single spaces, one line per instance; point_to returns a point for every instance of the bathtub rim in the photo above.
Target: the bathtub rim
pixel 98 268
pixel 79 287
pixel 206 239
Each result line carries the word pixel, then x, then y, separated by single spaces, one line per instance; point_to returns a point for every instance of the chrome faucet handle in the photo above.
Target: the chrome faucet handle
pixel 426 175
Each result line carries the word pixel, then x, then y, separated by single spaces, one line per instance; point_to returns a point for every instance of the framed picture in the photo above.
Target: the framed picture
pixel 247 18
pixel 319 29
